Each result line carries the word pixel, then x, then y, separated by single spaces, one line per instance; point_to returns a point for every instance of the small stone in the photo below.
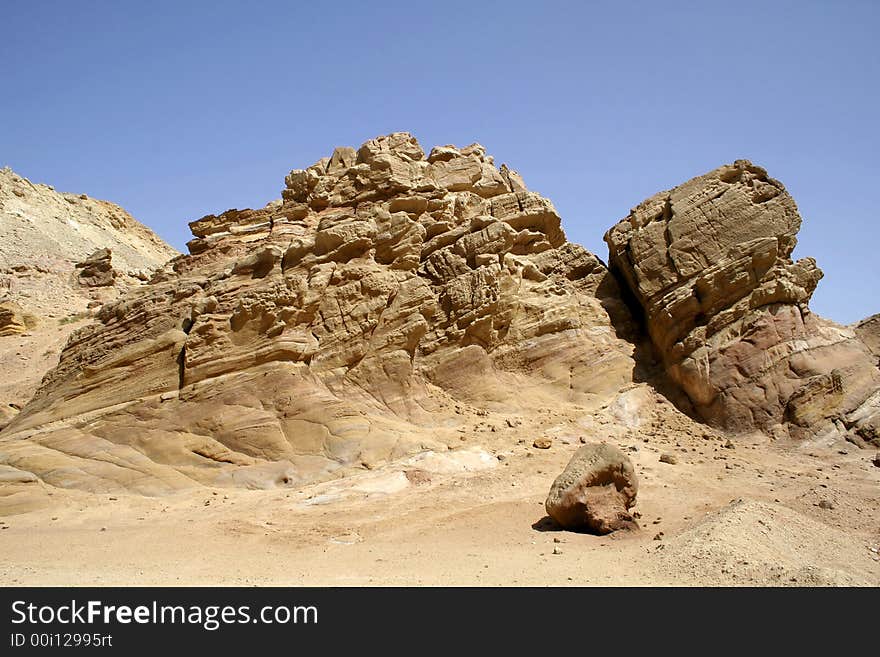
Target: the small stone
pixel 668 458
pixel 825 504
pixel 557 550
pixel 658 536
pixel 542 443
pixel 729 444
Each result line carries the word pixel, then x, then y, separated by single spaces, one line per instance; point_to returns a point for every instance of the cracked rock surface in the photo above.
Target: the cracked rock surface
pixel 709 266
pixel 332 330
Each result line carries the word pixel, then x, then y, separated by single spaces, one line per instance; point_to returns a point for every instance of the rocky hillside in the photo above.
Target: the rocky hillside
pixel 40 227
pixel 390 294
pixel 60 256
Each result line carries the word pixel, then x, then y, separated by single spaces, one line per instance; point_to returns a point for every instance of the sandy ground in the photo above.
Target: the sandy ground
pixel 724 514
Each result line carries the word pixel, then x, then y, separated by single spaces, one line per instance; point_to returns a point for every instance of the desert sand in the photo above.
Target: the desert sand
pixel 747 516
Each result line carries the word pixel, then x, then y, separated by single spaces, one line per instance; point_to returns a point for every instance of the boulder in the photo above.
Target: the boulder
pixel 595 491
pixel 708 267
pixel 12 319
pixel 96 270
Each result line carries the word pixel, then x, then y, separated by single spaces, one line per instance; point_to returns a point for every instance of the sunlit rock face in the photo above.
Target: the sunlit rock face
pixel 709 266
pixel 332 330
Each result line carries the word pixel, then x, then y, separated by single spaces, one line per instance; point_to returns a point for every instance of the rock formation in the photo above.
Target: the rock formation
pixel 708 264
pixel 349 322
pixel 868 331
pixel 12 319
pixel 595 491
pixel 330 331
pixel 96 270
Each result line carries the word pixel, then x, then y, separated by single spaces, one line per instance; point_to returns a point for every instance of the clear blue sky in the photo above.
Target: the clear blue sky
pixel 175 109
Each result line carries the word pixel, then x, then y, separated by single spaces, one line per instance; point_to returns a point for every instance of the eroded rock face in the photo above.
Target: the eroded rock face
pixel 96 270
pixel 331 331
pixel 12 319
pixel 595 491
pixel 727 309
pixel 868 331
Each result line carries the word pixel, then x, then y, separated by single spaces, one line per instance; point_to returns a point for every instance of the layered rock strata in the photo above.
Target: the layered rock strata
pixel 332 330
pixel 709 266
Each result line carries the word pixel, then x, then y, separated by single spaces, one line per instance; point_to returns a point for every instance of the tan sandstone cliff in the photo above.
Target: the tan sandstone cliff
pixel 331 331
pixel 388 291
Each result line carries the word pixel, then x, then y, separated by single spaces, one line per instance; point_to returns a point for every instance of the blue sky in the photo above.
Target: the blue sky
pixel 175 110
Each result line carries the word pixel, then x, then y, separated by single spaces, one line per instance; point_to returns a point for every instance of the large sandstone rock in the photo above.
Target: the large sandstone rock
pixel 708 264
pixel 595 491
pixel 7 412
pixel 868 331
pixel 96 270
pixel 331 331
pixel 12 319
